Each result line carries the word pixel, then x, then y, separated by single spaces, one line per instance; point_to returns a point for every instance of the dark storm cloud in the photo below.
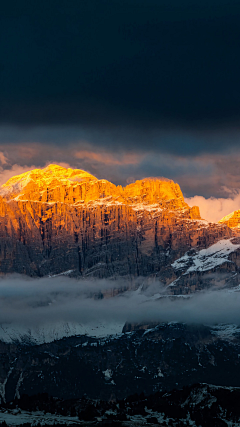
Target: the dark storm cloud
pixel 122 160
pixel 174 141
pixel 130 62
pixel 124 89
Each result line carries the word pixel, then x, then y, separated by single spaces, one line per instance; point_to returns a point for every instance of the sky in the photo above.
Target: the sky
pixel 125 89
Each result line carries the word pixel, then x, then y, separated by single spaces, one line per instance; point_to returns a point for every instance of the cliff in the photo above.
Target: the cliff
pixel 57 219
pixel 232 220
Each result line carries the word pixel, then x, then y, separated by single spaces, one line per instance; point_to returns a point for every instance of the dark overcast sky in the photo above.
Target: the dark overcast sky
pixel 156 62
pixel 156 78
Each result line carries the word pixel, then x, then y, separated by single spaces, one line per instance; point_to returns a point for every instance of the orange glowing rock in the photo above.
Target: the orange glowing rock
pixel 232 220
pixel 58 219
pixel 73 186
pixel 33 184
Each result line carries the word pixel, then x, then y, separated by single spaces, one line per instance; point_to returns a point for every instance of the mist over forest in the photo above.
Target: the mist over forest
pixel 37 302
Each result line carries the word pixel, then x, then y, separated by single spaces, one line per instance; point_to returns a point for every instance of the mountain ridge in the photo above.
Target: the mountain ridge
pixel 59 219
pixel 58 184
pixel 232 220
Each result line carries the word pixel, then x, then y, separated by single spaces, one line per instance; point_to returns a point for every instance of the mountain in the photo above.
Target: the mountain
pixel 65 222
pixel 58 220
pixel 232 220
pixel 163 357
pixel 216 266
pixel 198 404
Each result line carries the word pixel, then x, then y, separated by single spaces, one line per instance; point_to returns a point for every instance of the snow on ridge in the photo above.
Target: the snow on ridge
pixel 13 332
pixel 206 259
pixel 64 273
pixel 226 331
pixel 16 417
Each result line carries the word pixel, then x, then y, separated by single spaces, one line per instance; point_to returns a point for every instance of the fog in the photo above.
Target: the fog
pixel 37 302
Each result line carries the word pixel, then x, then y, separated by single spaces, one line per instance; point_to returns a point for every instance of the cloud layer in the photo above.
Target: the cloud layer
pixel 123 89
pixel 111 156
pixel 213 209
pixel 35 303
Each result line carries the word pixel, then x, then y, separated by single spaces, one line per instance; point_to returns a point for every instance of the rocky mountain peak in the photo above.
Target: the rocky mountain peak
pixel 232 220
pixel 58 219
pixel 154 189
pixel 66 185
pixel 31 184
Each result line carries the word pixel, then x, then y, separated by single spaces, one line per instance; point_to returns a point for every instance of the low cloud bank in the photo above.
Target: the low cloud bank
pixel 214 209
pixel 38 302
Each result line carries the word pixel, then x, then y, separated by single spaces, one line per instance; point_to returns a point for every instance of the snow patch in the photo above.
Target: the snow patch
pixel 206 259
pixel 15 418
pixel 20 380
pixel 108 374
pixel 226 332
pixel 3 384
pixel 13 332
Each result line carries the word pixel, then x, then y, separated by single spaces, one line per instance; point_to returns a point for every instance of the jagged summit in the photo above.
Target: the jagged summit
pixel 47 175
pixel 39 179
pixel 232 220
pixel 57 219
pixel 59 184
pixel 51 184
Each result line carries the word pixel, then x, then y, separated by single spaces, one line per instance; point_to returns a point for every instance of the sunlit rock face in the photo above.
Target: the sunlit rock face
pixel 232 220
pixel 57 219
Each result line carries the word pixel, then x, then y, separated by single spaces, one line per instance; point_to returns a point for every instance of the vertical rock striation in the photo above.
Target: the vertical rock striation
pixel 57 219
